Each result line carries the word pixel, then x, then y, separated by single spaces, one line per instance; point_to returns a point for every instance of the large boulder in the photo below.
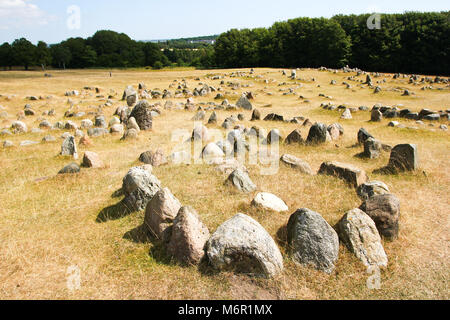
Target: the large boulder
pixel 274 137
pixel 313 242
pixel 242 245
pixel 92 160
pixel 212 153
pixel 346 115
pixel 295 137
pixel 351 174
pixel 160 213
pixel 318 134
pixel 384 210
pixel 241 181
pixel 244 103
pixel 363 135
pixel 372 148
pixel 69 147
pixel 336 131
pixel 132 124
pixel 19 127
pixel 256 115
pixel 296 163
pixel 376 115
pixel 139 187
pixel 70 169
pixel 142 113
pixel 372 188
pixel 213 118
pixel 130 95
pixel 404 157
pixel 200 133
pixel 154 158
pixel 359 233
pixel 269 201
pixel 189 237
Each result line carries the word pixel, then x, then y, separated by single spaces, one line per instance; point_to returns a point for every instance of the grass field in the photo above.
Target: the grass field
pixel 49 223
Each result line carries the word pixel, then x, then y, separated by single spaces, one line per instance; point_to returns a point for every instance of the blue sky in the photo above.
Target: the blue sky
pixel 47 20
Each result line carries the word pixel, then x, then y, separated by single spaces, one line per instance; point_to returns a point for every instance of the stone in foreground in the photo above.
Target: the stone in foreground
pixel 359 233
pixel 71 168
pixel 161 210
pixel 297 163
pixel 318 134
pixel 313 242
pixel 385 212
pixel 189 237
pixel 242 245
pixel 244 103
pixel 241 181
pixel 372 188
pixel 69 147
pixel 139 187
pixel 269 201
pixel 92 160
pixel 351 174
pixel 404 157
pixel 142 113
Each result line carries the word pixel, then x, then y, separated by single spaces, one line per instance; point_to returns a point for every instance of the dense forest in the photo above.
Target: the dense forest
pixel 411 42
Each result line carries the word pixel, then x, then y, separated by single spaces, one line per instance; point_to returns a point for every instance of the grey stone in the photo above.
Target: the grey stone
pixel 160 213
pixel 142 114
pixel 363 135
pixel 244 103
pixel 359 233
pixel 372 148
pixel 139 187
pixel 376 116
pixel 372 188
pixel 71 168
pixel 318 134
pixel 240 180
pixel 69 147
pixel 351 174
pixel 242 245
pixel 312 241
pixel 297 164
pixel 404 157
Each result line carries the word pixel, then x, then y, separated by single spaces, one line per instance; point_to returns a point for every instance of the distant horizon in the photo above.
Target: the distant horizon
pixel 54 21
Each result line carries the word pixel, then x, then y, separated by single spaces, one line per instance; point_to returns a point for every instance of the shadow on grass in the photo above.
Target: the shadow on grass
pixel 118 193
pixel 206 269
pixel 114 212
pixel 281 238
pixel 139 235
pixel 158 250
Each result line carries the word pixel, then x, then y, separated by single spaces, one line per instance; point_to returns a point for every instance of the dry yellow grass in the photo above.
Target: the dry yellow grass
pixel 50 224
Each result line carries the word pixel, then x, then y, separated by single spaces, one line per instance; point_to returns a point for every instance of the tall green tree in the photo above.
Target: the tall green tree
pixel 61 55
pixel 24 53
pixel 43 54
pixel 6 56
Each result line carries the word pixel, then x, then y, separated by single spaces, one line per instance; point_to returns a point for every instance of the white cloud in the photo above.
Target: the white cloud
pixel 20 13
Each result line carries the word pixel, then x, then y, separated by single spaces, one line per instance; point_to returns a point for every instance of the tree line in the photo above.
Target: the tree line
pixel 412 42
pixel 106 49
